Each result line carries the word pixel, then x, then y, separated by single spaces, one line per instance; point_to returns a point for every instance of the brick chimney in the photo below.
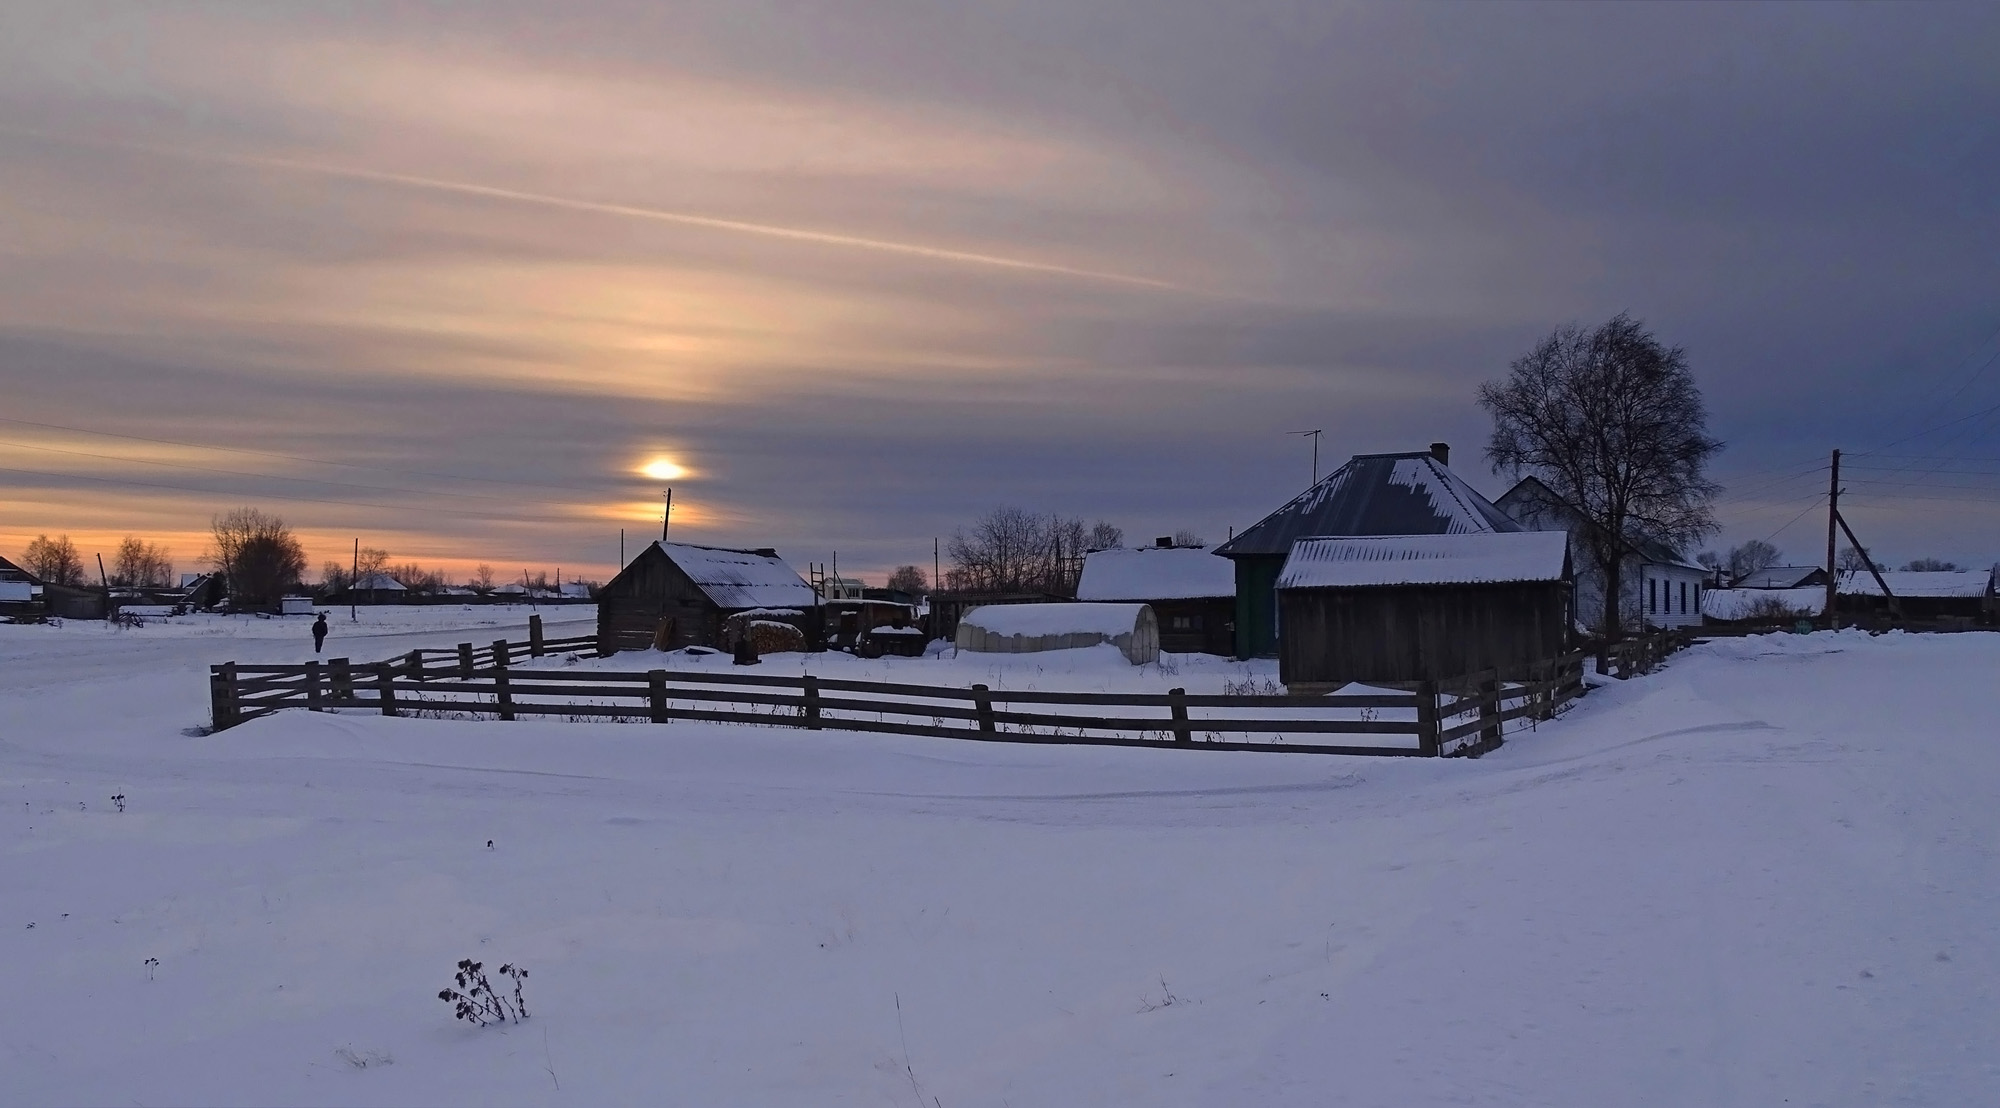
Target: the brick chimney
pixel 1442 452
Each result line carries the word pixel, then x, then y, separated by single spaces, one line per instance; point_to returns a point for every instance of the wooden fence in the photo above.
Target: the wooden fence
pixel 1642 653
pixel 1467 716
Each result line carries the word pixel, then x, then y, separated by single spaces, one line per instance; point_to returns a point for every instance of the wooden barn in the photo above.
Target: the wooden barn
pixel 1191 591
pixel 1406 608
pixel 1373 494
pixel 678 594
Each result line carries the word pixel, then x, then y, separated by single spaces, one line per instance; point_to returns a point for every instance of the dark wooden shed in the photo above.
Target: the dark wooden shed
pixel 1373 494
pixel 1400 609
pixel 678 594
pixel 1191 591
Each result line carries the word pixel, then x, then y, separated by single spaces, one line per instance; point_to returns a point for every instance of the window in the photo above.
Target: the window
pixel 1652 594
pixel 1684 598
pixel 1183 623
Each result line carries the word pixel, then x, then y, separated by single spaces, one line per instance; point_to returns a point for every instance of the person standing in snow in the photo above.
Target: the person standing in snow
pixel 319 633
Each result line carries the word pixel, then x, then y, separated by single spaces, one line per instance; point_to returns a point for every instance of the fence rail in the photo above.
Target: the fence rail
pixel 1467 716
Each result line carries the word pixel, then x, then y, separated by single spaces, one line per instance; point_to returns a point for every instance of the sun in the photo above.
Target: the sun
pixel 663 469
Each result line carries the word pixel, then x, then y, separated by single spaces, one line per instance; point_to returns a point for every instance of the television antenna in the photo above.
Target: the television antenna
pixel 1316 433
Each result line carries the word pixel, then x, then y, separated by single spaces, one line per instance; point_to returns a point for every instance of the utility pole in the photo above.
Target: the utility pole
pixel 1832 526
pixel 621 548
pixel 104 580
pixel 936 567
pixel 353 583
pixel 667 516
pixel 1315 438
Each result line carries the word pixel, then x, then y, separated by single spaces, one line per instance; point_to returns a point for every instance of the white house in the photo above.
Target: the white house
pixel 1658 586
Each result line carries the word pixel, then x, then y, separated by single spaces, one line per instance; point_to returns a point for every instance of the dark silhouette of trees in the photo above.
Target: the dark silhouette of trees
pixel 1015 550
pixel 258 555
pixel 55 561
pixel 910 579
pixel 1612 422
pixel 141 564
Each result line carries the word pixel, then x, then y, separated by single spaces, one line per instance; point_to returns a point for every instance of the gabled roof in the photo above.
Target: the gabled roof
pixel 1376 494
pixel 1468 559
pixel 1534 504
pixel 1779 577
pixel 740 578
pixel 1907 584
pixel 1155 573
pixel 11 572
pixel 378 582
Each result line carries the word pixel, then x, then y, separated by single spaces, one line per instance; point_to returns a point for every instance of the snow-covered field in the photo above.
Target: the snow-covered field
pixel 1765 875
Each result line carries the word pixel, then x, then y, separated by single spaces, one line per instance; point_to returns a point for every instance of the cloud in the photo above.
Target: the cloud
pixel 872 269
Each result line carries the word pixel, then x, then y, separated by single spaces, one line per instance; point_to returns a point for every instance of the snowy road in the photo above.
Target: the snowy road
pixel 1767 874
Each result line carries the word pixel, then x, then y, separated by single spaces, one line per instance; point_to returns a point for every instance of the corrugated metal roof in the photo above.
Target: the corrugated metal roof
pixel 1376 494
pixel 1468 559
pixel 1777 577
pixel 740 578
pixel 1913 584
pixel 1154 573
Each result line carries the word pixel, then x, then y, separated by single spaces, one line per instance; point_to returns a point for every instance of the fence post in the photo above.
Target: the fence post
pixel 500 653
pixel 1427 719
pixel 465 660
pixel 1177 703
pixel 343 680
pixel 811 684
pixel 503 695
pixel 414 662
pixel 222 696
pixel 982 706
pixel 535 635
pixel 385 685
pixel 313 703
pixel 1489 713
pixel 656 689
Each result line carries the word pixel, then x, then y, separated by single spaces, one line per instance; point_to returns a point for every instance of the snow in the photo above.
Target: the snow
pixel 1907 583
pixel 1154 573
pixel 1762 875
pixel 1778 577
pixel 1473 558
pixel 1733 604
pixel 1109 620
pixel 379 582
pixel 741 578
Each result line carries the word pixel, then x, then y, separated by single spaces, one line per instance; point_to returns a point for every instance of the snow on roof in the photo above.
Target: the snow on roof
pixel 1110 620
pixel 1778 577
pixel 512 589
pixel 1908 583
pixel 1155 573
pixel 1732 604
pixel 740 578
pixel 379 582
pixel 1497 558
pixel 1376 494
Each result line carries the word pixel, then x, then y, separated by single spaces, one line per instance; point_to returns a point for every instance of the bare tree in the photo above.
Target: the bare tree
pixel 258 555
pixel 1015 550
pixel 482 578
pixel 1852 560
pixel 55 560
pixel 1612 422
pixel 1187 538
pixel 1929 565
pixel 1751 557
pixel 370 562
pixel 910 579
pixel 140 564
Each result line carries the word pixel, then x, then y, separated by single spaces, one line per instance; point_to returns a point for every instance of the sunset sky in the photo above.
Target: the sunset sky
pixel 450 278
